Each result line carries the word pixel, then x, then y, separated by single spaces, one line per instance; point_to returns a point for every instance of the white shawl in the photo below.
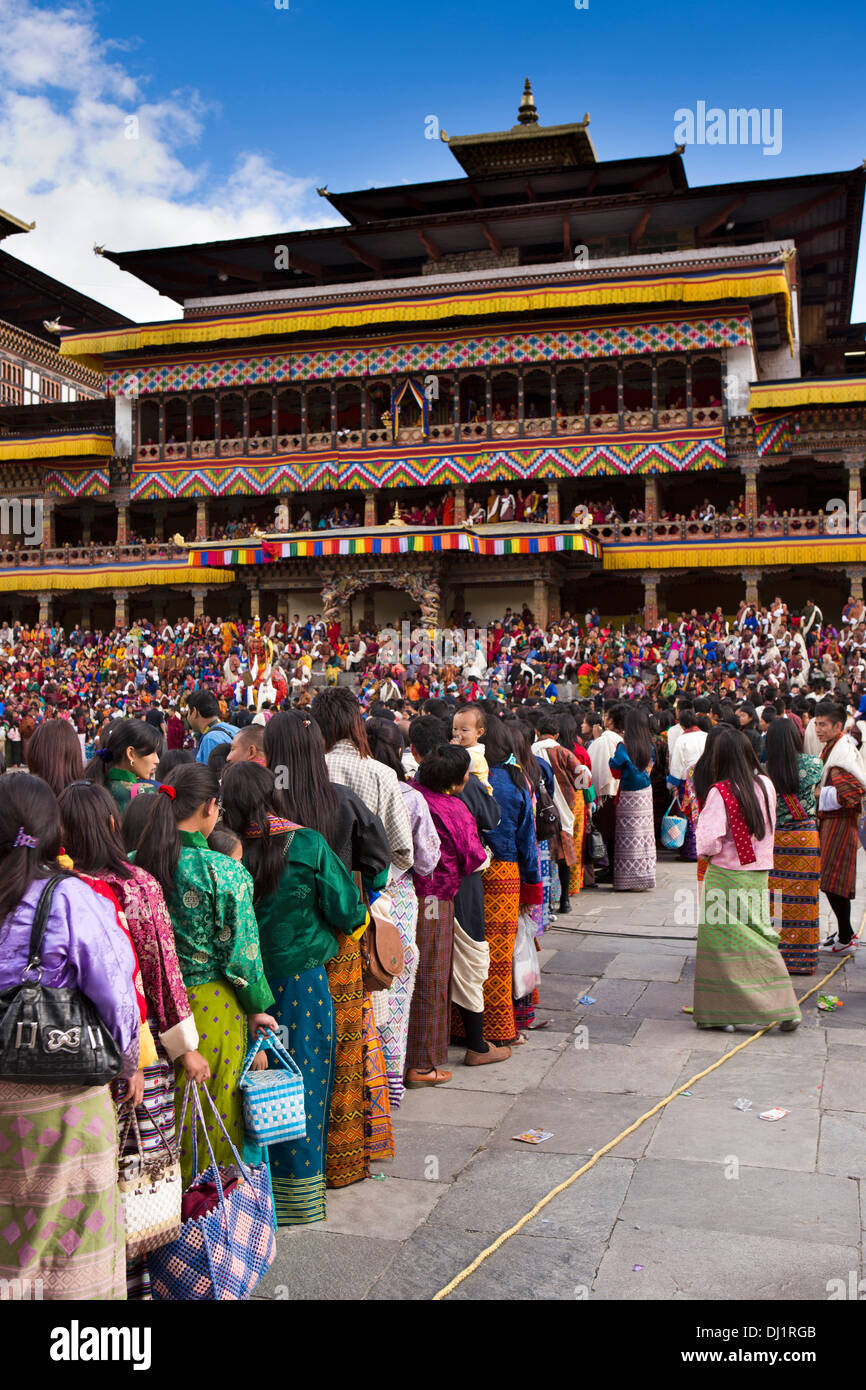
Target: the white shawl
pixel 845 755
pixel 600 751
pixel 564 811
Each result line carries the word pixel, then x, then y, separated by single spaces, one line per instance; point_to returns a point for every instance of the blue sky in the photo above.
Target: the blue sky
pixel 245 107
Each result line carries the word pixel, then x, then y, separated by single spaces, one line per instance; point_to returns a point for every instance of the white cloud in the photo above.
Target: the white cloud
pixel 67 161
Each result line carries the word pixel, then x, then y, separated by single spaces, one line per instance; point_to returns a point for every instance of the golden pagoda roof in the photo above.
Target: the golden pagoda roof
pixel 527 147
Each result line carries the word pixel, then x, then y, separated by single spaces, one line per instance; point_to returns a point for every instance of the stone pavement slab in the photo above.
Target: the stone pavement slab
pixel 845 1081
pixel 313 1263
pixel 431 1152
pixel 765 1079
pixel 637 965
pixel 707 1196
pixel 842 1146
pixel 680 1263
pixel 498 1187
pixel 618 1069
pixel 524 1070
pixel 580 1123
pixel 615 996
pixel 711 1130
pixel 387 1208
pixel 448 1105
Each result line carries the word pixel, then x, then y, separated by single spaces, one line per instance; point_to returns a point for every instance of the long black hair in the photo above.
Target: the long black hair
pixel 497 750
pixel 637 737
pixel 520 747
pixel 124 733
pixel 249 799
pixel 26 804
pixel 303 790
pixel 159 846
pixel 730 762
pixel 783 742
pixel 386 744
pixel 91 835
pixel 702 774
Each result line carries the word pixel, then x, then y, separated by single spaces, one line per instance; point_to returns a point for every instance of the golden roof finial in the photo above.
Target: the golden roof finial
pixel 527 114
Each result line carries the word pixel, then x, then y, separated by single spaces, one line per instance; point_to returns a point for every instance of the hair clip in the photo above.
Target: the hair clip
pixel 168 791
pixel 25 841
pixel 103 754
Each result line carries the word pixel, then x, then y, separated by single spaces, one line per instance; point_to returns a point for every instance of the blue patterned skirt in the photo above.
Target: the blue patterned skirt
pixel 304 1008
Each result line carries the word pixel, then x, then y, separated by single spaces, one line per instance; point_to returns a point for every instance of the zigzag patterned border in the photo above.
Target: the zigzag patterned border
pixel 94 483
pixel 544 345
pixel 634 454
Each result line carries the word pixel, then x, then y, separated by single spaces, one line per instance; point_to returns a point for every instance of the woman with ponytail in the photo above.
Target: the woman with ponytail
pixel 127 760
pixel 210 903
pixel 304 900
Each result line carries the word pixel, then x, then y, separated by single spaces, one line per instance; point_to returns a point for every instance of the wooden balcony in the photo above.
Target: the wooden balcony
pixel 87 556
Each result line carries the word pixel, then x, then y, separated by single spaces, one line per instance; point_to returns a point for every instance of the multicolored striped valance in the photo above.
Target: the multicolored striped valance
pixel 845 390
pixel 525 541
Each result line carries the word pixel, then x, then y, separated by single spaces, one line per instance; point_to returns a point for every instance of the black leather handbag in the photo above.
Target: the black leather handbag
pixel 53 1037
pixel 546 814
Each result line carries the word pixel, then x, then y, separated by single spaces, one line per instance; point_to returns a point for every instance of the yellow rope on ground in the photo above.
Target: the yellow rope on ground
pixel 539 1206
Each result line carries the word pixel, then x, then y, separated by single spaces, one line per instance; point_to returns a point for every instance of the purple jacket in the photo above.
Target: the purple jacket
pixel 461 850
pixel 83 947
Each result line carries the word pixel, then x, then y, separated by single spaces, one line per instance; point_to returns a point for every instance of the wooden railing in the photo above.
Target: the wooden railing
pixel 686 530
pixel 86 556
pixel 446 432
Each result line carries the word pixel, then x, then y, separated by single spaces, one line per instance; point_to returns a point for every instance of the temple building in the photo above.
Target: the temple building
pixel 549 379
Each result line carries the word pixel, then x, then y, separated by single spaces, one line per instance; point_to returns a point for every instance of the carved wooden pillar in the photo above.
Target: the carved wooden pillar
pixel 749 469
pixel 201 519
pixel 369 509
pixel 459 505
pixel 856 575
pixel 540 606
pixel 651 497
pixel 45 608
pixel 752 578
pixel 48 528
pixel 855 484
pixel 122 523
pixel 651 598
pixel 121 608
pixel 553 502
pixel 199 596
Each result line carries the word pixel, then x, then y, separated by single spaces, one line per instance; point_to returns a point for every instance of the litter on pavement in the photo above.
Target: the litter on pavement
pixel 534 1136
pixel 777 1113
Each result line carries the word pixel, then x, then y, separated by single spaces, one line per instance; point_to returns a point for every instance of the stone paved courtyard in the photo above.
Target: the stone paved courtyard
pixel 709 1201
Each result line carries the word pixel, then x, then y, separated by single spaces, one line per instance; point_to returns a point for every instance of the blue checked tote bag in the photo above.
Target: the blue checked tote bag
pixel 223 1253
pixel 673 829
pixel 273 1099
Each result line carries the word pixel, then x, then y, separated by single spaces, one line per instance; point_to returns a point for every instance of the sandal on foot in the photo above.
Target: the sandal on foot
pixel 416 1079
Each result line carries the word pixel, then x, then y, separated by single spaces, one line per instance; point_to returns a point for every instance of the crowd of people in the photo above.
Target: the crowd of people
pixel 221 837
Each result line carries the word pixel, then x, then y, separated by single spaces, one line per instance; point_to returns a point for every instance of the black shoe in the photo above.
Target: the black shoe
pixel 564 907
